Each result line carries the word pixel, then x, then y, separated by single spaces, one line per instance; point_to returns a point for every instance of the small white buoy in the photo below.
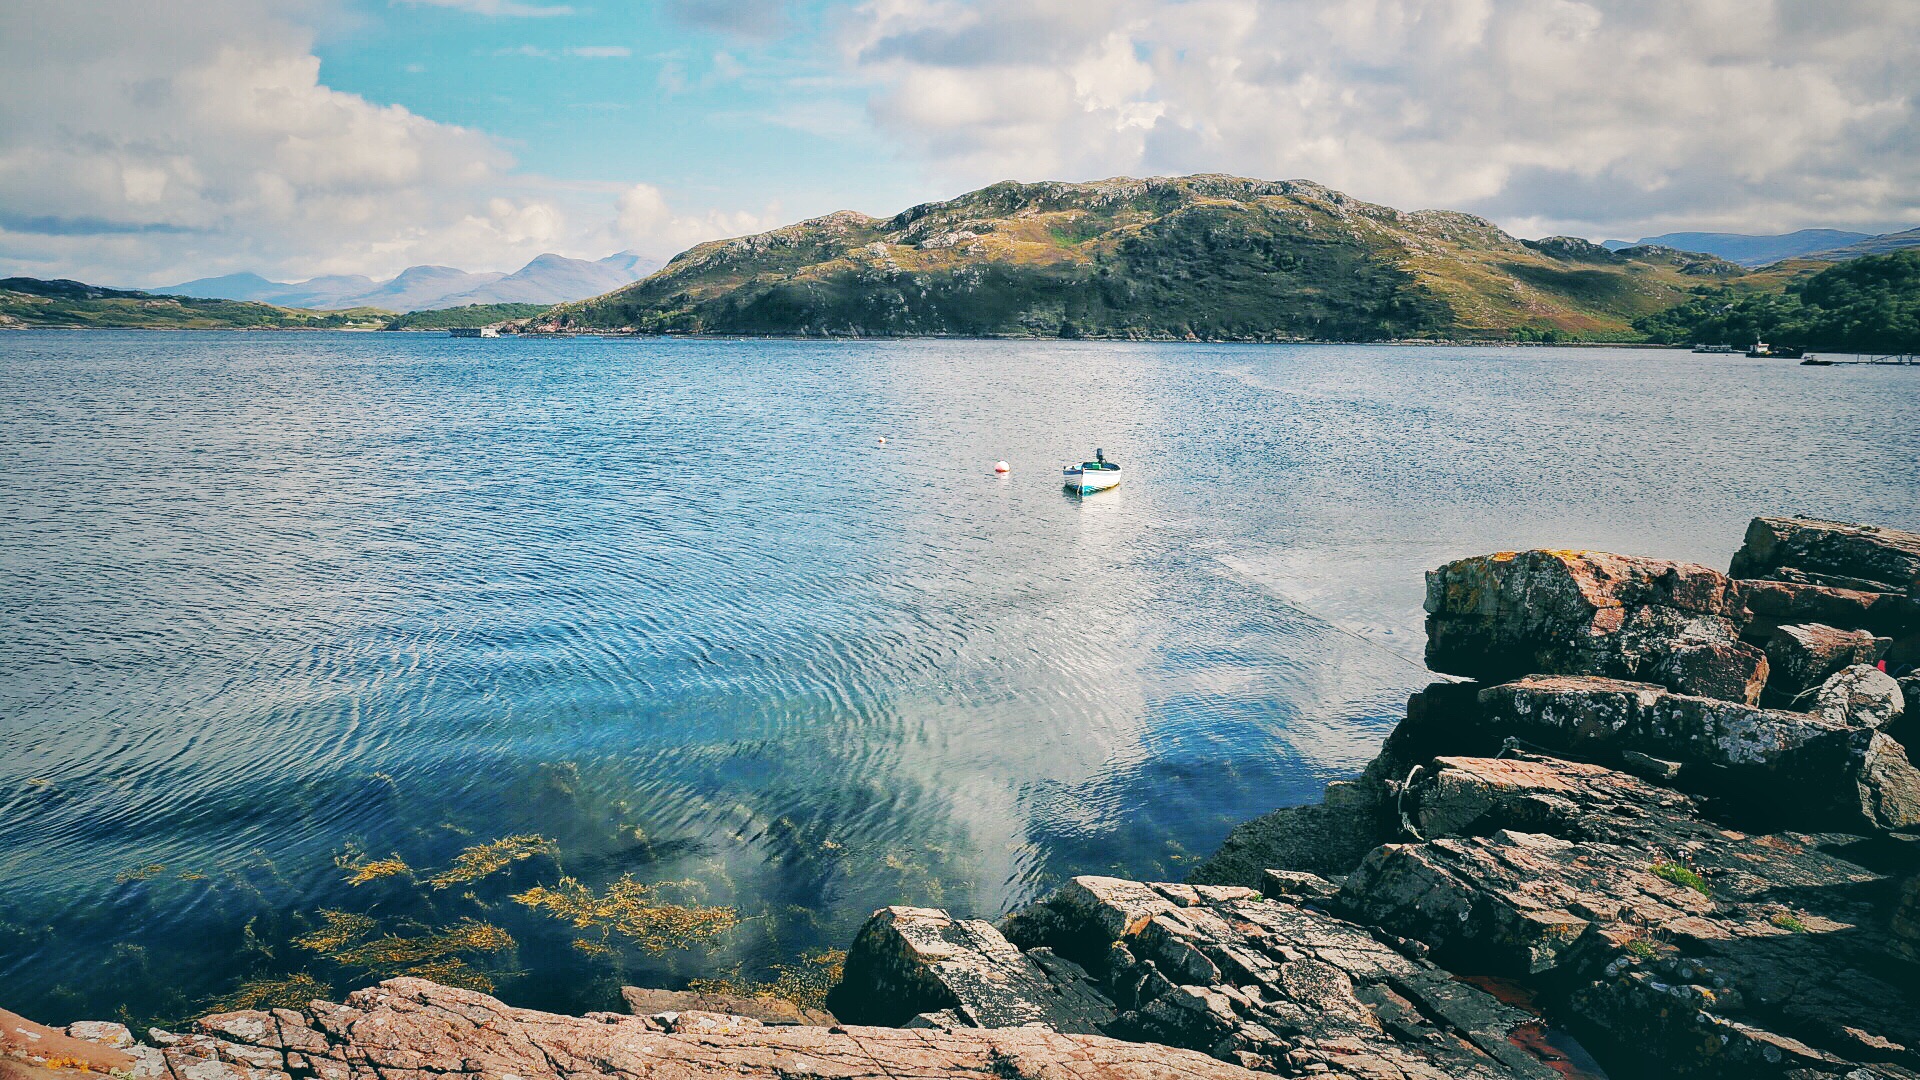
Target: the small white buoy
pixel 1002 467
pixel 882 442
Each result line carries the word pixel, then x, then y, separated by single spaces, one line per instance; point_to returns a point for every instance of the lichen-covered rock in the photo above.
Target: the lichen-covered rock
pixel 1832 553
pixel 1274 983
pixel 1832 767
pixel 1777 603
pixel 1711 951
pixel 1801 656
pixel 907 961
pixel 1502 616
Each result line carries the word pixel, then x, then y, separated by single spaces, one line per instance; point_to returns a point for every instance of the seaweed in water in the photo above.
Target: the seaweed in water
pixel 291 992
pixel 632 910
pixel 489 858
pixel 805 984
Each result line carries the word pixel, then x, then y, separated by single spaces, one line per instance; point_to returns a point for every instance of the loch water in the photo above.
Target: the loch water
pixel 297 628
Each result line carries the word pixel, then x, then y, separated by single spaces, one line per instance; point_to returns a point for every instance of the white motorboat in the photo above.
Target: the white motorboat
pixel 1091 476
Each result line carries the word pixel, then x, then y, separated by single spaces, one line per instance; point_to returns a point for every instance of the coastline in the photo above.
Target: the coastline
pixel 1663 795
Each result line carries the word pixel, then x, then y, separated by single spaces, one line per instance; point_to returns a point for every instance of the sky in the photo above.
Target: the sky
pixel 146 142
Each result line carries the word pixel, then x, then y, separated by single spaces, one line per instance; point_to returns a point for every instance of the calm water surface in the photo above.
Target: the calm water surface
pixel 276 606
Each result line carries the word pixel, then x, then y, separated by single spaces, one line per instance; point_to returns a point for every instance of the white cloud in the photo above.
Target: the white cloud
pixel 199 139
pixel 1590 116
pixel 646 222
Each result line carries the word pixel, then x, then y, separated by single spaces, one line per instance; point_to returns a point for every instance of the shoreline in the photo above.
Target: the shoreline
pixel 1663 793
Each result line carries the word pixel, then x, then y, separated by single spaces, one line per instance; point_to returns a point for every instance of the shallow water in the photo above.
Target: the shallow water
pixel 269 602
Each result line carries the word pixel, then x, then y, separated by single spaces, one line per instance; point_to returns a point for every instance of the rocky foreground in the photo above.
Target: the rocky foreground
pixel 1671 815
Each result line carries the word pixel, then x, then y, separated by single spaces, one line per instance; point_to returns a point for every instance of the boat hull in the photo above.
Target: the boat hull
pixel 1085 483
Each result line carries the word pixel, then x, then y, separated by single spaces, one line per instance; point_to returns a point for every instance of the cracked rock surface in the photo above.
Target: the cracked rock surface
pixel 411 1029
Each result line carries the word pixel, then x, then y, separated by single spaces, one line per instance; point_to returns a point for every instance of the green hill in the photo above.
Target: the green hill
pixel 1868 304
pixel 31 302
pixel 469 316
pixel 1209 257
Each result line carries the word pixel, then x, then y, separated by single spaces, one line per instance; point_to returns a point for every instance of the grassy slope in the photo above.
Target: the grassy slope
pixel 472 315
pixel 30 302
pixel 1207 256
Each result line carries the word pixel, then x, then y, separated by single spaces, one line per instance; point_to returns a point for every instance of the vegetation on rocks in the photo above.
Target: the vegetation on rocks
pixel 31 302
pixel 471 315
pixel 1204 257
pixel 1870 305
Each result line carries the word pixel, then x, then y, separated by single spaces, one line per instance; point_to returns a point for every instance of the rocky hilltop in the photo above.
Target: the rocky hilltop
pixel 1208 257
pixel 1664 824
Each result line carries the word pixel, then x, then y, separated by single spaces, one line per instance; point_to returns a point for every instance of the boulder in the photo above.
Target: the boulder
pixel 1832 553
pixel 1775 603
pixel 1860 696
pixel 1906 729
pixel 1275 983
pixel 1674 940
pixel 907 961
pixel 1497 617
pixel 1800 656
pixel 1828 767
pixel 1905 924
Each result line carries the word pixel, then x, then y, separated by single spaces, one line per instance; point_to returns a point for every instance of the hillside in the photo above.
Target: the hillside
pixel 1210 257
pixel 471 315
pixel 1868 304
pixel 31 302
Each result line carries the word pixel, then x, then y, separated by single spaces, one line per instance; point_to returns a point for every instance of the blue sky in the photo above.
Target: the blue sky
pixel 144 142
pixel 610 92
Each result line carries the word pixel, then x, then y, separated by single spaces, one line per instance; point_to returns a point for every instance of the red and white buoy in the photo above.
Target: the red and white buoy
pixel 1002 467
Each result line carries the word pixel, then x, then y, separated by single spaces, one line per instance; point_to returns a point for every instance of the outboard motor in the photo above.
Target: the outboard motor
pixel 1100 456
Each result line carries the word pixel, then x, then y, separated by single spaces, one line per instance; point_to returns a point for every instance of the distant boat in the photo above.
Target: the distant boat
pixel 1090 476
pixel 474 331
pixel 1811 361
pixel 1762 350
pixel 1713 348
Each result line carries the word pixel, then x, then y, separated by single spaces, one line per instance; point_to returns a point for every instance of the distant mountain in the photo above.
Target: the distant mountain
pixel 1873 245
pixel 1750 250
pixel 552 279
pixel 1210 257
pixel 31 302
pixel 420 287
pixel 548 279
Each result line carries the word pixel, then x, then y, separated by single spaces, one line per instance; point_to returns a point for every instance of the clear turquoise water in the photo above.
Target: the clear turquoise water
pixel 271 600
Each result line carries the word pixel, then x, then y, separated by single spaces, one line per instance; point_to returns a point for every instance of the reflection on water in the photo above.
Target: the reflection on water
pixel 548 665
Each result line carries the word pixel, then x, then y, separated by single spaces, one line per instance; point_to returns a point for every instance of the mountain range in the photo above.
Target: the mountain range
pixel 548 279
pixel 1209 257
pixel 1828 245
